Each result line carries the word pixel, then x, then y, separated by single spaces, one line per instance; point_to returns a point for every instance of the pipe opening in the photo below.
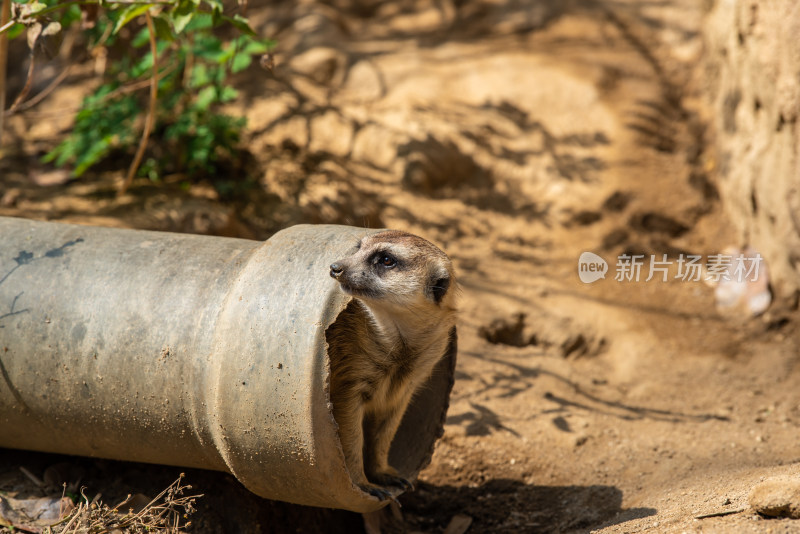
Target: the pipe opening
pixel 423 421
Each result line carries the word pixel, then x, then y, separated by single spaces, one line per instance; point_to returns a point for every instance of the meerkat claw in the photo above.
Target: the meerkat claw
pixel 393 481
pixel 401 483
pixel 378 492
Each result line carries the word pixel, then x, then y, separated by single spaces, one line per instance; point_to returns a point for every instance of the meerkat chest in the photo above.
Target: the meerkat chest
pixel 395 383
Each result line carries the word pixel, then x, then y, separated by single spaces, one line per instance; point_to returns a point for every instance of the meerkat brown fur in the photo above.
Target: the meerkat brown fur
pixel 385 344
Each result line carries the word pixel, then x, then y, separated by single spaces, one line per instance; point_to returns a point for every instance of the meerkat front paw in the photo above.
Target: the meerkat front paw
pixel 390 478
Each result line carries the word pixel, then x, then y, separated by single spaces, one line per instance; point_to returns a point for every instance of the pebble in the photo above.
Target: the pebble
pixel 777 497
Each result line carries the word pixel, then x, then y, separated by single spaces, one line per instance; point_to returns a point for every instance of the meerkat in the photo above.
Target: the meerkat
pixel 385 344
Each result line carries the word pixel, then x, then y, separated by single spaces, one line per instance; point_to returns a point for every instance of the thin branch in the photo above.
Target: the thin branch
pixel 7 26
pixel 28 81
pixel 5 15
pixel 131 87
pixel 62 5
pixel 720 514
pixel 17 108
pixel 151 114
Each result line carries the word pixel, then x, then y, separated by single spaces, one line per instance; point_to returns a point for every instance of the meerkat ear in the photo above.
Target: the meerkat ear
pixel 438 286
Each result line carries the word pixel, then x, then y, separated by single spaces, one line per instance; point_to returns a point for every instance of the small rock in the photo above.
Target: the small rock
pixel 10 197
pixel 777 497
pixel 458 524
pixel 52 177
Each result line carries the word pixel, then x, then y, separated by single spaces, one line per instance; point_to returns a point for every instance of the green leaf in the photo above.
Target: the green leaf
pixel 228 94
pixel 35 7
pixel 50 156
pixel 210 48
pixel 200 21
pixel 241 24
pixel 71 15
pixel 205 97
pixel 200 76
pixel 94 154
pixel 163 29
pixel 27 11
pixel 141 38
pixel 254 47
pixel 215 5
pixel 16 30
pixel 130 13
pixel 182 15
pixel 240 62
pixel 142 67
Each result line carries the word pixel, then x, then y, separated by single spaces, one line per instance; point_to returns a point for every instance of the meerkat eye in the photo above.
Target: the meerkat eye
pixel 387 261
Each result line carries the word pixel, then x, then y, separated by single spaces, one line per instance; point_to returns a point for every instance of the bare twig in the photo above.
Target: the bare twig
pixel 77 512
pixel 151 113
pixel 16 108
pixel 7 26
pixel 721 514
pixel 28 81
pixel 135 86
pixel 36 480
pixel 123 503
pixel 130 87
pixel 5 17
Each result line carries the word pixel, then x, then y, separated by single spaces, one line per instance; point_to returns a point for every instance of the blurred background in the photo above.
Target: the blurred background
pixel 516 135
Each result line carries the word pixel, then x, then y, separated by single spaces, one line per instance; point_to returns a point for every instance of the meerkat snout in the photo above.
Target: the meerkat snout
pixel 336 270
pixel 439 286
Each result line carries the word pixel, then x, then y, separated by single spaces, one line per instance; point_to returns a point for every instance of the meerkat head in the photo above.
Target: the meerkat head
pixel 397 270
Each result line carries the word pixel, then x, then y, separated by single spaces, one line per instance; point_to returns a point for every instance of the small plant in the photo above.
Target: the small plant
pixel 168 512
pixel 187 68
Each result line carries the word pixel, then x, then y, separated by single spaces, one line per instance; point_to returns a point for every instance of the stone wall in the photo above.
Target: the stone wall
pixel 752 79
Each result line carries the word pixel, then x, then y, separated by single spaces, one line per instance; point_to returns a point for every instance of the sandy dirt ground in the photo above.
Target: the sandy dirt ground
pixel 516 135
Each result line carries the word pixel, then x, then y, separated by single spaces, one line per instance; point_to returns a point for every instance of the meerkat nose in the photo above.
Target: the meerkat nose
pixel 336 270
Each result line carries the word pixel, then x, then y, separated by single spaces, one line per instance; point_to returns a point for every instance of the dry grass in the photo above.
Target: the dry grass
pixel 167 513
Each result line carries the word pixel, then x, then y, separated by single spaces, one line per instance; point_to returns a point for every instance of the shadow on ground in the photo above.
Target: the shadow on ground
pixel 505 505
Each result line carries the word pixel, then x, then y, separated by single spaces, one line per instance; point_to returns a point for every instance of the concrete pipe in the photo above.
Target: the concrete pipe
pixel 188 350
